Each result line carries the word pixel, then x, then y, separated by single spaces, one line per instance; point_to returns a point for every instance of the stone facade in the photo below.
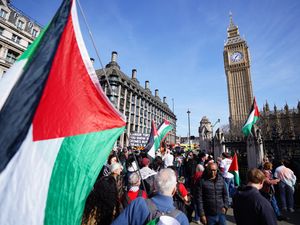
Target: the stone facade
pixel 281 124
pixel 17 32
pixel 135 102
pixel 237 68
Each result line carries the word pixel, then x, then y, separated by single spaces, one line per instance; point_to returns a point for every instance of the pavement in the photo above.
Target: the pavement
pixel 292 218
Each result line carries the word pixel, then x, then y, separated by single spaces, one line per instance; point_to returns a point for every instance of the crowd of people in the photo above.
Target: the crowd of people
pixel 178 187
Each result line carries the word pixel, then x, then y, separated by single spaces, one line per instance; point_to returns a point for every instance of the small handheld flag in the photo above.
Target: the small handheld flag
pixel 252 119
pixel 234 169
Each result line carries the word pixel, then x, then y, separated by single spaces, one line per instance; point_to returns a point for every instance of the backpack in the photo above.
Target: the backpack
pixel 155 214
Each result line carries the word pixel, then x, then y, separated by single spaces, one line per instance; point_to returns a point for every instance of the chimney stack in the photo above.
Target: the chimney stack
pixel 156 93
pixel 114 56
pixel 92 60
pixel 133 74
pixel 147 84
pixel 164 99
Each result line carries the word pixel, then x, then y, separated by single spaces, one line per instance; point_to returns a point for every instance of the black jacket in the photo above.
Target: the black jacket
pixel 250 207
pixel 211 196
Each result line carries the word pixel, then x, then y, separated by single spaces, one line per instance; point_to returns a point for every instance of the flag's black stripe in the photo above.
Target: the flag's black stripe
pixel 17 113
pixel 150 142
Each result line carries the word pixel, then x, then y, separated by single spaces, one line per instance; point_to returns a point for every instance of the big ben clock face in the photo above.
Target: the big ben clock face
pixel 236 57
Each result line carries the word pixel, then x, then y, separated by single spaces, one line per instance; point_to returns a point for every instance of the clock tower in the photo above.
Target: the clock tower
pixel 239 85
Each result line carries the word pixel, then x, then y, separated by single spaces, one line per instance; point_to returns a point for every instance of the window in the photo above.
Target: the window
pixel 20 24
pixel 11 56
pixel 34 32
pixel 16 38
pixel 3 13
pixel 1 30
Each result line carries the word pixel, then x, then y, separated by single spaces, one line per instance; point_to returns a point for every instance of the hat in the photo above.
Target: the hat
pixel 145 161
pixel 167 220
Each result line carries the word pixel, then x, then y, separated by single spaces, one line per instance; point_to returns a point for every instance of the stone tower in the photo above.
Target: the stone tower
pixel 237 68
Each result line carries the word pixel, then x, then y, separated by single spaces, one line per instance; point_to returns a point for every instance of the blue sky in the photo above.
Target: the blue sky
pixel 178 46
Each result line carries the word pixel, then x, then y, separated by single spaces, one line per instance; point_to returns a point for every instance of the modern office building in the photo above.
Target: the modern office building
pixel 17 32
pixel 135 102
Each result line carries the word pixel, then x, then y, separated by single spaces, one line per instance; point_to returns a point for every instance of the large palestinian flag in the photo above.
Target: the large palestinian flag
pixel 252 119
pixel 57 128
pixel 153 141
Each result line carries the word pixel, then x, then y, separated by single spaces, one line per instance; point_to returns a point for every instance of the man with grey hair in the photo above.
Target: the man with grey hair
pixel 141 211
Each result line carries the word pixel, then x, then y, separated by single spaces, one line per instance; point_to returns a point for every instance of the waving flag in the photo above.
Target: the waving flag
pixel 252 119
pixel 153 141
pixel 164 128
pixel 57 127
pixel 234 169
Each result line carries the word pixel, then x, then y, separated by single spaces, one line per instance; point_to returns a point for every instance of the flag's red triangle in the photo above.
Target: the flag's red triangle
pixel 71 104
pixel 234 164
pixel 256 111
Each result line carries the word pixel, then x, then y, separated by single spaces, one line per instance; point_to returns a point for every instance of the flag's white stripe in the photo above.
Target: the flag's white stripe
pixel 7 82
pixel 152 151
pixel 33 165
pixel 250 118
pixel 162 127
pixel 86 58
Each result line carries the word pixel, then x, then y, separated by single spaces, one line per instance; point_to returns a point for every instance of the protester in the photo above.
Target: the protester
pixel 202 158
pixel 249 206
pixel 190 168
pixel 104 202
pixel 148 176
pixel 268 190
pixel 212 197
pixel 157 164
pixel 112 158
pixel 195 180
pixel 286 186
pixel 138 212
pixel 134 190
pixel 228 177
pixel 168 158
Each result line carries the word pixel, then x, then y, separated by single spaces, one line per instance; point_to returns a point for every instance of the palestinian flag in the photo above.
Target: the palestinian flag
pixel 234 169
pixel 57 128
pixel 252 119
pixel 164 128
pixel 153 141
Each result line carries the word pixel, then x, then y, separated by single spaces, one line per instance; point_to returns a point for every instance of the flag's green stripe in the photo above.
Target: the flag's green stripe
pixel 247 128
pixel 76 168
pixel 31 49
pixel 236 177
pixel 156 143
pixel 164 132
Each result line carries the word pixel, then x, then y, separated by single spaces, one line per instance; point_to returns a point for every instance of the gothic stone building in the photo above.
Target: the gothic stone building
pixel 239 86
pixel 17 32
pixel 280 124
pixel 137 103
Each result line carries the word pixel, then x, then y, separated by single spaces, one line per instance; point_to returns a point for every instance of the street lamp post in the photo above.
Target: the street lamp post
pixel 189 126
pixel 212 133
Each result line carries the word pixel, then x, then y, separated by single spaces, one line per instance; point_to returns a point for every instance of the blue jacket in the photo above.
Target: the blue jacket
pixel 137 212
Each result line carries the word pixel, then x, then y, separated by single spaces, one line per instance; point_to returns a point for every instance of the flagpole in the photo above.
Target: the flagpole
pixel 139 172
pixel 94 45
